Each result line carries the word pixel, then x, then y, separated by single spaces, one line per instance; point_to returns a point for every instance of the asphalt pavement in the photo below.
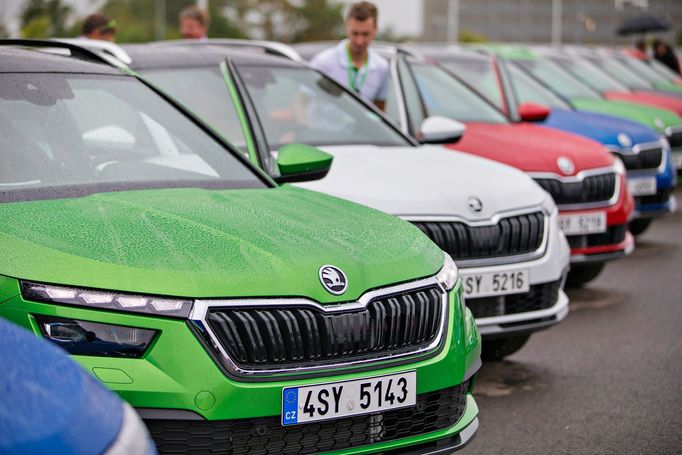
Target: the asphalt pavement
pixel 608 379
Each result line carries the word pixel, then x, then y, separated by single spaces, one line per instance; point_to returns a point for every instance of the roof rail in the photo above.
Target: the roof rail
pixel 269 47
pixel 104 49
pixel 75 51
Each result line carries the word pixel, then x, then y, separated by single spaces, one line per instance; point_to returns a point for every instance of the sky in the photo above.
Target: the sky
pixel 405 16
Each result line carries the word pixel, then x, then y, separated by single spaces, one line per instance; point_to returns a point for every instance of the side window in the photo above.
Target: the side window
pixel 392 109
pixel 413 102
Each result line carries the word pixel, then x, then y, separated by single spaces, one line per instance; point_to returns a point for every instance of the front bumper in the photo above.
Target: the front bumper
pixel 616 242
pixel 549 269
pixel 176 372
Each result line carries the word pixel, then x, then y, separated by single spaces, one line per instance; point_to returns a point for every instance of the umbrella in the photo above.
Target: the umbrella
pixel 642 24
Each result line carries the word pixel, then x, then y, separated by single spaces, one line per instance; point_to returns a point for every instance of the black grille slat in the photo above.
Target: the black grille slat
pixel 595 188
pixel 645 159
pixel 675 139
pixel 539 297
pixel 265 436
pixel 660 197
pixel 514 235
pixel 277 337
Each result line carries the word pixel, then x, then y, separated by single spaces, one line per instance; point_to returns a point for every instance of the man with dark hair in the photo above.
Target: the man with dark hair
pixel 97 26
pixel 194 23
pixel 352 62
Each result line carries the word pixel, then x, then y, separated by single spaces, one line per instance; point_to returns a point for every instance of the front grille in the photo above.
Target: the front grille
pixel 675 139
pixel 510 236
pixel 260 338
pixel 539 297
pixel 645 159
pixel 660 197
pixel 596 188
pixel 433 411
pixel 612 236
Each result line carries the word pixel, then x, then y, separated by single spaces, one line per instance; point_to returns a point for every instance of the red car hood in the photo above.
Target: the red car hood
pixel 651 99
pixel 532 148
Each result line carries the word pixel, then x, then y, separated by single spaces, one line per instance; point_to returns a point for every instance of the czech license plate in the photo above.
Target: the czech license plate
pixel 645 186
pixel 495 283
pixel 677 160
pixel 337 400
pixel 584 223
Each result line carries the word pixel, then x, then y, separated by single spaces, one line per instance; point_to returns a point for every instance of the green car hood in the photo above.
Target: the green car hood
pixel 668 87
pixel 211 243
pixel 658 119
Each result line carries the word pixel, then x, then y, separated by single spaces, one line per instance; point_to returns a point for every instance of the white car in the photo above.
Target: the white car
pixel 495 221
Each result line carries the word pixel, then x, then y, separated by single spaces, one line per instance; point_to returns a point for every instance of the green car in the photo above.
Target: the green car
pixel 235 315
pixel 582 97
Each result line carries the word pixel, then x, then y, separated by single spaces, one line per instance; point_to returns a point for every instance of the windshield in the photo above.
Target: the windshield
pixel 554 77
pixel 204 91
pixel 643 70
pixel 444 95
pixel 590 74
pixel 301 105
pixel 528 90
pixel 78 134
pixel 479 74
pixel 621 72
pixel 666 73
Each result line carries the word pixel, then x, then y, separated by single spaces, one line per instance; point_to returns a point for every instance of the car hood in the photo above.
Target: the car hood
pixel 211 243
pixel 649 98
pixel 425 181
pixel 658 119
pixel 532 148
pixel 599 127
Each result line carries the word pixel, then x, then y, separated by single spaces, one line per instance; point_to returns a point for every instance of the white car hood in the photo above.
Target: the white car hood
pixel 427 181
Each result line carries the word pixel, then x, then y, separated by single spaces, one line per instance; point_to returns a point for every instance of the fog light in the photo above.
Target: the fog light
pixel 94 338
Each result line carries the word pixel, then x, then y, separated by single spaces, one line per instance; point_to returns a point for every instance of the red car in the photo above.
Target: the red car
pixel 587 183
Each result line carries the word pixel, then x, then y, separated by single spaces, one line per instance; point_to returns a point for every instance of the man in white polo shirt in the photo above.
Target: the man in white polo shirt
pixel 351 62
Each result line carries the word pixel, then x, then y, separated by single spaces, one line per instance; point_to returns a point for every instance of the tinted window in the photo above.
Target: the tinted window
pixel 446 96
pixel 204 91
pixel 553 76
pixel 620 72
pixel 528 90
pixel 300 105
pixel 590 74
pixel 479 74
pixel 103 132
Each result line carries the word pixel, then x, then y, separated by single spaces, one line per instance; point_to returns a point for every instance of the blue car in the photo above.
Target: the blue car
pixel 644 152
pixel 50 405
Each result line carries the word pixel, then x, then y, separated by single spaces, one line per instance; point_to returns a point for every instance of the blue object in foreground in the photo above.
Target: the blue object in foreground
pixel 50 405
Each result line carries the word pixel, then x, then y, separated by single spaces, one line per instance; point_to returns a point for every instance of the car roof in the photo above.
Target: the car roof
pixel 26 60
pixel 181 55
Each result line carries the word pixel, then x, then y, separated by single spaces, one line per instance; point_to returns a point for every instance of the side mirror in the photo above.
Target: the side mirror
pixel 441 130
pixel 300 163
pixel 531 112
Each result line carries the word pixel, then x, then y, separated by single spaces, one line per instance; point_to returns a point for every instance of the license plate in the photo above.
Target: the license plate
pixel 336 400
pixel 645 186
pixel 584 223
pixel 677 160
pixel 495 283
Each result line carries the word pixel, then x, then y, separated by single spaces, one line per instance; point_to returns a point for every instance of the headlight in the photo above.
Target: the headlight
pixel 93 338
pixel 618 166
pixel 103 300
pixel 548 205
pixel 449 274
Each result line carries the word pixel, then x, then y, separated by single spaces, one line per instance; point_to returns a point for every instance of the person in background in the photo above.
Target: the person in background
pixel 640 45
pixel 194 23
pixel 352 63
pixel 97 26
pixel 664 54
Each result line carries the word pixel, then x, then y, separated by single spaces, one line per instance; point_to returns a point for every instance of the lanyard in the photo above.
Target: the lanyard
pixel 353 73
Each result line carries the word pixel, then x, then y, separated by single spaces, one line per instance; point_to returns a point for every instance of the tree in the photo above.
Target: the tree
pixel 317 20
pixel 44 19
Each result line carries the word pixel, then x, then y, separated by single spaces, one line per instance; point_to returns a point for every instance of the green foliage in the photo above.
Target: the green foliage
pixel 317 20
pixel 44 18
pixel 467 36
pixel 389 34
